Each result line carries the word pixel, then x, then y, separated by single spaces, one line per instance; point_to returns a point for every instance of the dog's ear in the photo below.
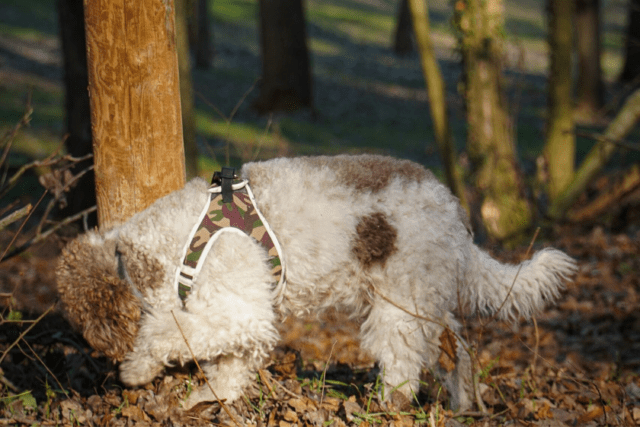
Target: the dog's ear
pixel 96 301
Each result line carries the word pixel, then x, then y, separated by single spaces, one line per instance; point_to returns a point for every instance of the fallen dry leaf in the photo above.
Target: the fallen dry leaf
pixel 448 350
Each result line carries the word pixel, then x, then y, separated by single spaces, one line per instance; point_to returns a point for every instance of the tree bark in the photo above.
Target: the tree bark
pixel 77 112
pixel 590 90
pixel 135 104
pixel 403 43
pixel 598 156
pixel 559 150
pixel 419 12
pixel 286 73
pixel 631 68
pixel 504 211
pixel 186 89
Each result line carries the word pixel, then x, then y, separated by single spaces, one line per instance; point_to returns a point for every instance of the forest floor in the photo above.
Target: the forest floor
pixel 578 364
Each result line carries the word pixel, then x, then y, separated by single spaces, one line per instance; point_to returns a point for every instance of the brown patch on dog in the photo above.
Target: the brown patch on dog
pixel 95 300
pixel 375 240
pixel 371 172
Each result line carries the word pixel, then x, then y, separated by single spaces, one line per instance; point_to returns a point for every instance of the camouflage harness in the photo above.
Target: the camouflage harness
pixel 230 208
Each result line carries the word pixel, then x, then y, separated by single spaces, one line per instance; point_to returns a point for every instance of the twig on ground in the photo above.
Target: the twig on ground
pixel 536 349
pixel 47 368
pixel 193 356
pixel 324 372
pixel 25 332
pixel 266 382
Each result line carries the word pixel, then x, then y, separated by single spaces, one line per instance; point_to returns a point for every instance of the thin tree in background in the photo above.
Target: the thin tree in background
pixel 631 70
pixel 135 104
pixel 419 12
pixel 200 35
pixel 559 150
pixel 504 211
pixel 590 89
pixel 77 112
pixel 402 39
pixel 286 72
pixel 186 88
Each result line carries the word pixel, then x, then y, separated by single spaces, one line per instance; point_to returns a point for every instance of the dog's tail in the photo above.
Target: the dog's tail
pixel 509 291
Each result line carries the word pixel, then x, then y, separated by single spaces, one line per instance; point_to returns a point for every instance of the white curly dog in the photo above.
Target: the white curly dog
pixel 377 237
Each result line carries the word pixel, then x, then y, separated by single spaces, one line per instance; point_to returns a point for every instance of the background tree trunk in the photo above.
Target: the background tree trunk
pixel 402 41
pixel 135 104
pixel 186 88
pixel 437 97
pixel 631 68
pixel 504 211
pixel 559 150
pixel 590 90
pixel 204 43
pixel 286 73
pixel 78 116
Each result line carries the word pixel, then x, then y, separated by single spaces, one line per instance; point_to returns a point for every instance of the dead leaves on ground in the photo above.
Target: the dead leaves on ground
pixel 585 369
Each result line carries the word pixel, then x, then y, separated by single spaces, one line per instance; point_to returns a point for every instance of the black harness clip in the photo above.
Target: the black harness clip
pixel 225 179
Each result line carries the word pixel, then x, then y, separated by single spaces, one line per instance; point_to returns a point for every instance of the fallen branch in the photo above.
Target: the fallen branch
pixel 599 155
pixel 610 198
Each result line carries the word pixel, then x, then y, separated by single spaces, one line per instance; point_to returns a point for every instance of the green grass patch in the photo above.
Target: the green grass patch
pixel 241 12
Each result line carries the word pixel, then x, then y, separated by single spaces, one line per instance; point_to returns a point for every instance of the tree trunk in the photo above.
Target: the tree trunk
pixel 631 68
pixel 504 211
pixel 78 117
pixel 403 43
pixel 286 73
pixel 560 142
pixel 590 90
pixel 203 42
pixel 186 89
pixel 135 104
pixel 437 97
pixel 598 156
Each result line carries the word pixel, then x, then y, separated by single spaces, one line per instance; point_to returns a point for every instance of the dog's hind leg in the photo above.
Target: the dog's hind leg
pixel 397 341
pixel 403 343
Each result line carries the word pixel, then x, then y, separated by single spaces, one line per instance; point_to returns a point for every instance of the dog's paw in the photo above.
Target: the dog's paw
pixel 135 371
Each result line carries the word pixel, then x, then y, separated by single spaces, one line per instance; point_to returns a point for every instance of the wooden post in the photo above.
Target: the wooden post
pixel 135 104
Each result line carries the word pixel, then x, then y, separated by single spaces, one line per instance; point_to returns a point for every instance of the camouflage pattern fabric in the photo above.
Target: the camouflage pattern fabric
pixel 241 214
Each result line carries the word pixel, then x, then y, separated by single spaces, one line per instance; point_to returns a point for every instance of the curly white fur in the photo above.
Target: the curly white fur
pixel 379 237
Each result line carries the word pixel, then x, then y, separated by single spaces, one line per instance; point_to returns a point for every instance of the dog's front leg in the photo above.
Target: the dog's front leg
pixel 228 376
pixel 181 335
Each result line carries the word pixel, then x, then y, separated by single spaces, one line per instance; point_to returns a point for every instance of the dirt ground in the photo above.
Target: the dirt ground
pixel 577 365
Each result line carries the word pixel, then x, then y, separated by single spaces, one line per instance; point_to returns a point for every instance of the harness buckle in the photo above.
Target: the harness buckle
pixel 225 179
